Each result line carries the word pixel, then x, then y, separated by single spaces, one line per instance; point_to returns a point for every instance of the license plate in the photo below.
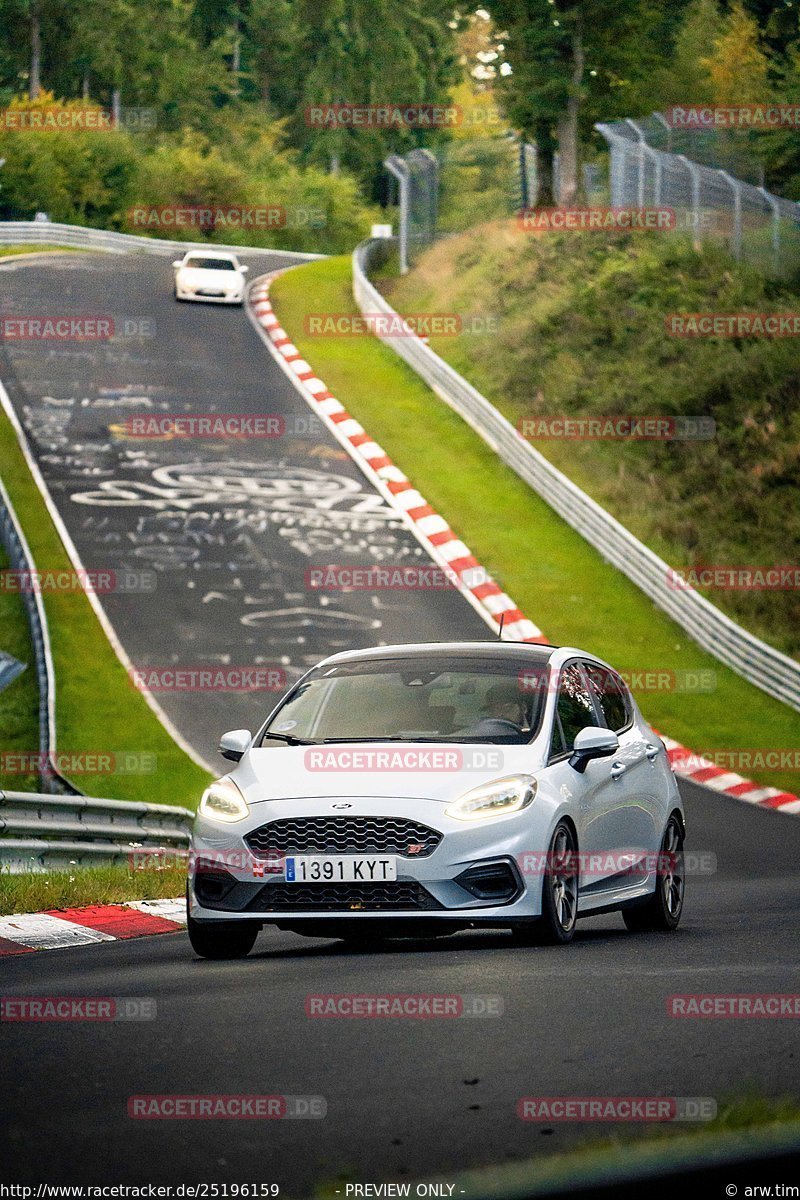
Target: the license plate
pixel 335 868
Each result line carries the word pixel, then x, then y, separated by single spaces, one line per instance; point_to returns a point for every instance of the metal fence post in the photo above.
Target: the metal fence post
pixel 694 174
pixel 657 174
pixel 532 172
pixel 642 146
pixel 399 169
pixel 433 190
pixel 736 187
pixel 617 173
pixel 663 121
pixel 776 227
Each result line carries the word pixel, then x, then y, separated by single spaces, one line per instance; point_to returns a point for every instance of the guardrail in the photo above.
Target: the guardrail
pixel 734 646
pixel 20 558
pixel 44 833
pixel 52 233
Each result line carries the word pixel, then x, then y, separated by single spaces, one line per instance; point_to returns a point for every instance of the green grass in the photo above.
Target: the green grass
pixel 19 702
pixel 735 1114
pixel 87 885
pixel 555 577
pixel 34 248
pixel 97 707
pixel 580 331
pixel 745 1122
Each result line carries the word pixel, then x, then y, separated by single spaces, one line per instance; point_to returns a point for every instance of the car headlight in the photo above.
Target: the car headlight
pixel 495 799
pixel 223 802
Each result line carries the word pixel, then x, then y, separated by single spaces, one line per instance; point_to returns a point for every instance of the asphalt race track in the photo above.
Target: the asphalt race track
pixel 218 534
pixel 405 1098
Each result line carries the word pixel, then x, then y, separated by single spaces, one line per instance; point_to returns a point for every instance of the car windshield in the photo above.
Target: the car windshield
pixel 211 264
pixel 441 700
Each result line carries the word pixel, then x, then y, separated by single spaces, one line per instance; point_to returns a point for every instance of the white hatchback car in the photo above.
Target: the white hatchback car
pixel 418 790
pixel 210 275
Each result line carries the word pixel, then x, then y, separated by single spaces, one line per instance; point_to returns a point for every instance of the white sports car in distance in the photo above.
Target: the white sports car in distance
pixel 214 276
pixel 415 790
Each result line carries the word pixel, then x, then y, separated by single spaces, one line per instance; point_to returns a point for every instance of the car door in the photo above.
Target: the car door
pixel 593 792
pixel 631 820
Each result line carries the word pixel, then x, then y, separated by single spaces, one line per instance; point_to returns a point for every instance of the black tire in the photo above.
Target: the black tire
pixel 223 939
pixel 556 926
pixel 661 912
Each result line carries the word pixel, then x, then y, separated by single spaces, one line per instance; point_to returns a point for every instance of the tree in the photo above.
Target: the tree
pixel 575 62
pixel 738 68
pixel 369 52
pixel 31 41
pixel 685 79
pixel 146 53
pixel 35 81
pixel 272 71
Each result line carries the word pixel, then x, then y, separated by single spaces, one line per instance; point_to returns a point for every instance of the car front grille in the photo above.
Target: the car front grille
pixel 401 895
pixel 344 835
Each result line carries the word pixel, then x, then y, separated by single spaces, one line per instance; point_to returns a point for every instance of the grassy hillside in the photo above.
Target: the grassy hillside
pixel 580 331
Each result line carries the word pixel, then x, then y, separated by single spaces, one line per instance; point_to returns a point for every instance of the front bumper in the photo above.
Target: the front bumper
pixel 185 294
pixel 471 877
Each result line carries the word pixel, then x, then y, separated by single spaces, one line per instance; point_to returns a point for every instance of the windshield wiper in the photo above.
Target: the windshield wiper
pixel 390 737
pixel 290 741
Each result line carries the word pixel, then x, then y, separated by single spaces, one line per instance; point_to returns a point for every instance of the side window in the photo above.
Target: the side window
pixel 612 696
pixel 557 746
pixel 575 709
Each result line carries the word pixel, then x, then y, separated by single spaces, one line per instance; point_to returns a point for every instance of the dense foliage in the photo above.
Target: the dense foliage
pixel 226 87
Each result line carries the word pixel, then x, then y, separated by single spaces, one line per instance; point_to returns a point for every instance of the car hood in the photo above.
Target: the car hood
pixel 291 773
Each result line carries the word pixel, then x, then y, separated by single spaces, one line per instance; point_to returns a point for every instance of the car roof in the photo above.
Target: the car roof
pixel 535 652
pixel 211 254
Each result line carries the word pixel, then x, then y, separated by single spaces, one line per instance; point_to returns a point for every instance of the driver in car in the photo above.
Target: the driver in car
pixel 504 702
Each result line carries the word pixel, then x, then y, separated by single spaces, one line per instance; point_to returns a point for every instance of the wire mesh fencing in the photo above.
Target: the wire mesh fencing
pixel 467 182
pixel 464 183
pixel 709 202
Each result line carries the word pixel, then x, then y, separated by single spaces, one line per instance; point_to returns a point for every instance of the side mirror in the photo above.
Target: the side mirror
pixel 178 262
pixel 235 743
pixel 244 270
pixel 592 742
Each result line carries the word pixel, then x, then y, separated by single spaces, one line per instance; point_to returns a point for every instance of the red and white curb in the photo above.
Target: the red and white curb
pixel 62 927
pixel 449 552
pixel 430 528
pixel 701 770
